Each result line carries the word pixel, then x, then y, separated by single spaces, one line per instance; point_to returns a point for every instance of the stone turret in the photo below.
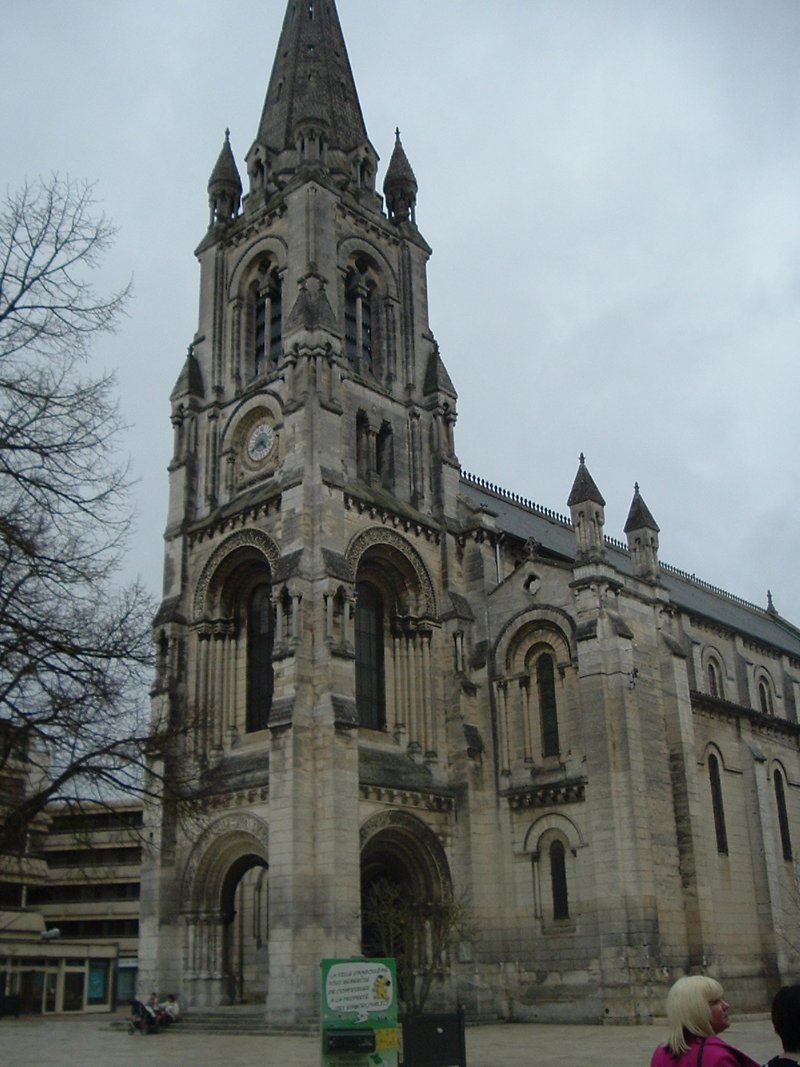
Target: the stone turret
pixel 587 510
pixel 224 186
pixel 642 532
pixel 400 185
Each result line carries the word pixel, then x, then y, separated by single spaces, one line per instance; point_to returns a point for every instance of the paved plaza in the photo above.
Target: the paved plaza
pixel 90 1042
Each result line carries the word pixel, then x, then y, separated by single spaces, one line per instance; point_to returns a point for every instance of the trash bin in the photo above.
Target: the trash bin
pixel 435 1040
pixel 11 1005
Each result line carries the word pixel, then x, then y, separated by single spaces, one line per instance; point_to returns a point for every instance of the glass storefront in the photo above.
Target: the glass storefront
pixel 52 985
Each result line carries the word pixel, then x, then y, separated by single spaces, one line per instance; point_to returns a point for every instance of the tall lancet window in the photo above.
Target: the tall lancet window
pixel 783 817
pixel 558 880
pixel 267 315
pixel 370 681
pixel 358 341
pixel 546 684
pixel 259 658
pixel 714 685
pixel 717 806
pixel 764 697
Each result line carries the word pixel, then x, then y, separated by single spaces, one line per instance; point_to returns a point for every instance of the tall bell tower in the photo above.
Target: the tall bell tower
pixel 313 422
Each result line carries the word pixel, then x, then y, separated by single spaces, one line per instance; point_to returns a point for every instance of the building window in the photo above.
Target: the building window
pixel 558 880
pixel 714 686
pixel 764 698
pixel 259 658
pixel 716 804
pixel 783 818
pixel 358 324
pixel 267 313
pixel 384 456
pixel 545 681
pixel 370 686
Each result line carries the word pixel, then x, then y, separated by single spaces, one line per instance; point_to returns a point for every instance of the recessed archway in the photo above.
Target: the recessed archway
pixel 244 913
pixel 405 889
pixel 225 904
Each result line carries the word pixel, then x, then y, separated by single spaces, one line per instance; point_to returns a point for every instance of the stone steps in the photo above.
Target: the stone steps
pixel 234 1021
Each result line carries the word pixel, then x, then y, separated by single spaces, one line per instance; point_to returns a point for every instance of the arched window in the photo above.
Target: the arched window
pixel 267 323
pixel 558 880
pixel 714 686
pixel 370 683
pixel 358 341
pixel 364 450
pixel 764 697
pixel 384 455
pixel 259 658
pixel 716 804
pixel 783 818
pixel 545 681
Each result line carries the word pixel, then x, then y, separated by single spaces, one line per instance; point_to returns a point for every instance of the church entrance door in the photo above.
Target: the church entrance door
pixel 244 914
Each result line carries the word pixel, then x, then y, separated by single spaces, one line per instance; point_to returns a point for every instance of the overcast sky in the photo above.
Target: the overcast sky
pixel 612 192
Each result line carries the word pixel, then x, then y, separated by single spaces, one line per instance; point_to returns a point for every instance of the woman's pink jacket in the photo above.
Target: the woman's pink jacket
pixel 716 1053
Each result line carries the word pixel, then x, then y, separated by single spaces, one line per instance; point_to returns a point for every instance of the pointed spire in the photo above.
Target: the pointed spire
pixel 642 532
pixel 224 185
pixel 583 488
pixel 190 379
pixel 437 380
pixel 400 185
pixel 639 516
pixel 587 510
pixel 311 81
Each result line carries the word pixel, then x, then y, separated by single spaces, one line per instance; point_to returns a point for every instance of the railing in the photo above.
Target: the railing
pixel 554 516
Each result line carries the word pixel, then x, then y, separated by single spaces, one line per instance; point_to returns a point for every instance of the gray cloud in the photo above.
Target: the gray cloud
pixel 610 189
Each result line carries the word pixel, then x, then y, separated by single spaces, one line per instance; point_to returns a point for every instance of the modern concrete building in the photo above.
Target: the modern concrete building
pixel 374 666
pixel 69 898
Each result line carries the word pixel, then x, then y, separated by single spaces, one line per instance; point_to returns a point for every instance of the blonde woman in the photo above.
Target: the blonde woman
pixel 697 1012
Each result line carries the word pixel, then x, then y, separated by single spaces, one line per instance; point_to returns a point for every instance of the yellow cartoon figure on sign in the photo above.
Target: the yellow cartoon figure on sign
pixel 381 986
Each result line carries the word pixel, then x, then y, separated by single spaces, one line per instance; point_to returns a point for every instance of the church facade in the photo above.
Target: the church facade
pixel 374 667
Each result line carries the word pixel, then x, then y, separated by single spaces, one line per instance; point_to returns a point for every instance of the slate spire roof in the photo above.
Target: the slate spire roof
pixel 583 488
pixel 639 516
pixel 311 81
pixel 399 170
pixel 400 184
pixel 225 172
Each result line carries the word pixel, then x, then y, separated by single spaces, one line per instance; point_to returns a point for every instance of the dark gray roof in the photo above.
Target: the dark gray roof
pixel 311 80
pixel 225 172
pixel 399 171
pixel 584 488
pixel 639 516
pixel 555 534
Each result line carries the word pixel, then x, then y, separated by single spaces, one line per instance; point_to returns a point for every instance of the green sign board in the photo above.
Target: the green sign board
pixel 359 1013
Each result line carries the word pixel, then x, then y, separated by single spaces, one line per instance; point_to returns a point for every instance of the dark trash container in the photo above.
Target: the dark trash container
pixel 11 1005
pixel 435 1040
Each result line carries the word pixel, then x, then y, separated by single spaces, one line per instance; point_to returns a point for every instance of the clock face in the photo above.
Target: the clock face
pixel 260 441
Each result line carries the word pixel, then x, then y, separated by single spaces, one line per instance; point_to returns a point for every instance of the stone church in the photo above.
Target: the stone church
pixel 372 665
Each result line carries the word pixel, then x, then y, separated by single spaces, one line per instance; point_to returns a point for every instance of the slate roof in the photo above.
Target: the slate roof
pixel 312 80
pixel 640 516
pixel 555 534
pixel 399 171
pixel 225 171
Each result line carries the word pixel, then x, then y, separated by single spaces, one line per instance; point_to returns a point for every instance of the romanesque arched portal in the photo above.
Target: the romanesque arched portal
pixel 224 911
pixel 406 896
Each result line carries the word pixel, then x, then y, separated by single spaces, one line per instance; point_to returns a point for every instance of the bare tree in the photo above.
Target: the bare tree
pixel 75 647
pixel 416 932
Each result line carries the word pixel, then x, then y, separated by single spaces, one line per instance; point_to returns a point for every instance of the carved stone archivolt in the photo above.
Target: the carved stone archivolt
pixel 221 844
pixel 545 624
pixel 383 539
pixel 416 845
pixel 243 540
pixel 552 822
